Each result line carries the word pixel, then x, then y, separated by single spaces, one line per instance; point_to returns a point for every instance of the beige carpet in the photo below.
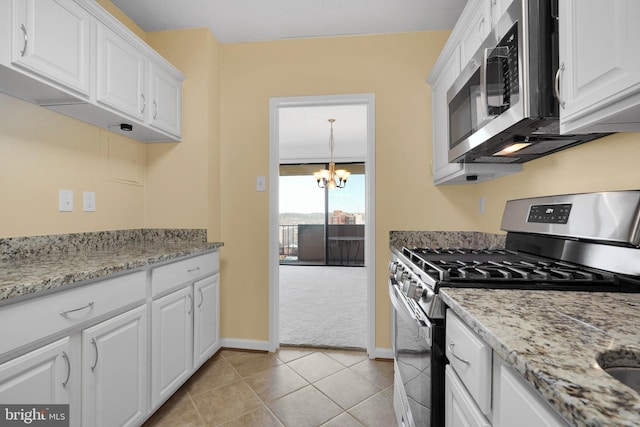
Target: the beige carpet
pixel 323 306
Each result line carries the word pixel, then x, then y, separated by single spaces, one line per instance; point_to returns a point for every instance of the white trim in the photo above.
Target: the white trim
pixel 242 344
pixel 383 353
pixel 370 244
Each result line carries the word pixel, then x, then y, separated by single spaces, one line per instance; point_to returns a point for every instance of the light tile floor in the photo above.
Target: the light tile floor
pixel 294 387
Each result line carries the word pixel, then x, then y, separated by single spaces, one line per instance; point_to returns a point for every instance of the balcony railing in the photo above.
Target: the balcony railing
pixel 343 244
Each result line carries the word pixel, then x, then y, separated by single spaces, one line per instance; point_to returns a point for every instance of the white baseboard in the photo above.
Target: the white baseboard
pixel 383 353
pixel 244 344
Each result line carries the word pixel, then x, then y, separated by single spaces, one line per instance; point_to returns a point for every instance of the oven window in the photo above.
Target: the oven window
pixel 413 358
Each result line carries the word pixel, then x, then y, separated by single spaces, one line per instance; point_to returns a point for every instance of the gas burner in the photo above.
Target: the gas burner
pixel 501 268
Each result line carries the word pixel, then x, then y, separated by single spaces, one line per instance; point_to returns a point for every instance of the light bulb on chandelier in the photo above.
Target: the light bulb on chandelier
pixel 331 178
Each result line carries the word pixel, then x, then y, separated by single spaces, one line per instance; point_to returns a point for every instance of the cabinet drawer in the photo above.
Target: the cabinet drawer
pixel 31 320
pixel 170 276
pixel 470 358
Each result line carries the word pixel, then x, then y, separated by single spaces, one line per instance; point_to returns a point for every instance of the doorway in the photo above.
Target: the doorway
pixel 316 152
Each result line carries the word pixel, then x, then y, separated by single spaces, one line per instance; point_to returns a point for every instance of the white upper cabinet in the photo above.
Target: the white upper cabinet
pixel 476 28
pixel 121 74
pixel 52 39
pixel 165 96
pixel 599 76
pixel 75 58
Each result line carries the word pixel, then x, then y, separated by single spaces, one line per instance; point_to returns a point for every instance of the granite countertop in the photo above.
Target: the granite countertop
pixel 45 263
pixel 555 340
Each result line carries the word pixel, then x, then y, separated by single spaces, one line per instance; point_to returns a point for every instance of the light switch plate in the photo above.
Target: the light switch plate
pixel 89 201
pixel 65 200
pixel 261 183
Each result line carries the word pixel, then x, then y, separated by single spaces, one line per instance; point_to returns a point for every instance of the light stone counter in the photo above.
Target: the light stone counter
pixel 33 265
pixel 446 239
pixel 554 340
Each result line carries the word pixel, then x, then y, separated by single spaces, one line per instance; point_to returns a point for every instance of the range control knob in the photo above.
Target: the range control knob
pixel 393 266
pixel 401 274
pixel 406 285
pixel 415 291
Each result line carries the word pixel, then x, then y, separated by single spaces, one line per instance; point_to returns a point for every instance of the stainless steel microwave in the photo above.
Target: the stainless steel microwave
pixel 502 107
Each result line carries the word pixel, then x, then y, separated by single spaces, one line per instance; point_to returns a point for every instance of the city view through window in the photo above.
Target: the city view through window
pixel 320 226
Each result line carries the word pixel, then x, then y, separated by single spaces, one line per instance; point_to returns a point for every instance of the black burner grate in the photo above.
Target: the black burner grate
pixel 462 265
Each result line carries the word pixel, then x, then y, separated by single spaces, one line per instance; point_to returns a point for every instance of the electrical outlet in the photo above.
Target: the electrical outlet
pixel 65 200
pixel 481 205
pixel 89 201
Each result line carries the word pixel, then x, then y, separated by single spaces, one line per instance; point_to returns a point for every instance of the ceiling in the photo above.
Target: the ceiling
pixel 235 21
pixel 304 133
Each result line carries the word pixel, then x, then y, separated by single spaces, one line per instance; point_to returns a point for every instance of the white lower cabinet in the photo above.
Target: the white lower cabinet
pixel 460 408
pixel 517 403
pixel 172 343
pixel 95 347
pixel 41 376
pixel 184 321
pixel 114 370
pixel 184 335
pixel 481 390
pixel 206 338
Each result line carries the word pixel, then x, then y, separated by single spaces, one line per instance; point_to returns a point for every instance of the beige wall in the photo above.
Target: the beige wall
pixel 609 163
pixel 42 151
pixel 182 187
pixel 394 68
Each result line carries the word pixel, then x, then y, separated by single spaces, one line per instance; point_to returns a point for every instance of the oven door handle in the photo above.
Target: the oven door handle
pixel 403 309
pixel 399 304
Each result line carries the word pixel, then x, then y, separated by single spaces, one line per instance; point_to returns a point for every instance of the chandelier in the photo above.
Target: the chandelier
pixel 331 178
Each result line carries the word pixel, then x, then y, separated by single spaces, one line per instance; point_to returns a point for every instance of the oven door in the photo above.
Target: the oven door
pixel 417 363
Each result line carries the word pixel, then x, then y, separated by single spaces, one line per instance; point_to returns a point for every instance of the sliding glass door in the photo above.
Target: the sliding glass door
pixel 321 226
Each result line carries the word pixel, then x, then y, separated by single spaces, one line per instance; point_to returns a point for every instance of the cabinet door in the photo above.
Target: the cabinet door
pixel 121 74
pixel 519 404
pixel 476 30
pixel 171 343
pixel 460 409
pixel 114 370
pixel 205 321
pixel 166 101
pixel 51 38
pixel 600 65
pixel 39 377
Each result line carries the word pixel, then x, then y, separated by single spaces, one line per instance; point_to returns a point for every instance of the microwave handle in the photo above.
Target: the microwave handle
pixel 484 98
pixel 500 52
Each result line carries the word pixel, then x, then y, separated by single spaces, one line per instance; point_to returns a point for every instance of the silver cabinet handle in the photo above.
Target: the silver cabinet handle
pixel 194 270
pixel 190 304
pixel 155 110
pixel 95 346
pixel 556 85
pixel 201 298
pixel 144 102
pixel 26 39
pixel 64 313
pixel 451 345
pixel 66 359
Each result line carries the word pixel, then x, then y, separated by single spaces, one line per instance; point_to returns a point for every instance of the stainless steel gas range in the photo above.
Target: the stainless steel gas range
pixel 576 242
